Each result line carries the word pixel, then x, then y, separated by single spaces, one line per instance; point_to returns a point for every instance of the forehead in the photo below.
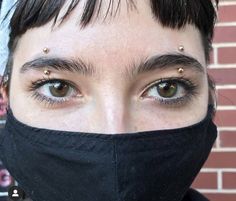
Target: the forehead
pixel 118 40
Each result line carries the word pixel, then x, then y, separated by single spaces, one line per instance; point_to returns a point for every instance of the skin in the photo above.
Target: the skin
pixel 110 101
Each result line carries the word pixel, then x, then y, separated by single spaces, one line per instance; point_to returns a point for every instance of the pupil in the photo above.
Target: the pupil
pixel 167 89
pixel 59 89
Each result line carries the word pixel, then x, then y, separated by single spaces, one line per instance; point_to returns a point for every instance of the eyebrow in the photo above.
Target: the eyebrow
pixel 59 64
pixel 165 61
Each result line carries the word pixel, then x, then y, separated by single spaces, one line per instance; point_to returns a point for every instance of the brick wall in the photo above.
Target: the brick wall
pixel 217 179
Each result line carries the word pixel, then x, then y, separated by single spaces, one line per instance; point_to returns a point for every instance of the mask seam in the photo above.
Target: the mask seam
pixel 151 137
pixel 73 150
pixel 43 144
pixel 76 149
pixel 111 137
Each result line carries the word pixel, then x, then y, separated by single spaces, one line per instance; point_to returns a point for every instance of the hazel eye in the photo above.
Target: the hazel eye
pixel 56 89
pixel 170 91
pixel 167 89
pixel 59 89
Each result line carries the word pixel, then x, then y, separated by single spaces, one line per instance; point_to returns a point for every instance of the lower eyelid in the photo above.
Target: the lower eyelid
pixel 177 101
pixel 52 103
pixel 173 103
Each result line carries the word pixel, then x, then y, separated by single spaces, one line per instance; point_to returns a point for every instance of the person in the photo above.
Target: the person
pixel 109 100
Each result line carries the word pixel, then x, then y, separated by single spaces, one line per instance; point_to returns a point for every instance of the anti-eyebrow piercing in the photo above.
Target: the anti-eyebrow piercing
pixel 46 50
pixel 180 70
pixel 181 48
pixel 47 72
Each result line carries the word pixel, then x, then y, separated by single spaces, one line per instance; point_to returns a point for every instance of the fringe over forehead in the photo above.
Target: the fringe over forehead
pixel 170 13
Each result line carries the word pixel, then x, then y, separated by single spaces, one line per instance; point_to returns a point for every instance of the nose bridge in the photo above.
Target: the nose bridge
pixel 113 108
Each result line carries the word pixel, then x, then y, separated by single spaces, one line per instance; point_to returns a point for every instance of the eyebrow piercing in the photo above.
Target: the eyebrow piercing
pixel 46 50
pixel 180 70
pixel 181 48
pixel 47 72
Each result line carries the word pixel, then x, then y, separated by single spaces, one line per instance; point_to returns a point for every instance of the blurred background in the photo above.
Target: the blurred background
pixel 217 179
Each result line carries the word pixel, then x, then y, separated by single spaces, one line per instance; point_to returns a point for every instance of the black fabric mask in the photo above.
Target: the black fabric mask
pixel 74 166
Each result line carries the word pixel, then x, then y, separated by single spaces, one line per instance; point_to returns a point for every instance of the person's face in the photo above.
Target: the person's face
pixel 113 96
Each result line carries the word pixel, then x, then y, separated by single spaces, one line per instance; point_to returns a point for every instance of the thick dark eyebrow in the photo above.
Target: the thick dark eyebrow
pixel 59 64
pixel 166 61
pixel 155 62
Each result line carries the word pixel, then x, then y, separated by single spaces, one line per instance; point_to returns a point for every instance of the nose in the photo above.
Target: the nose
pixel 112 112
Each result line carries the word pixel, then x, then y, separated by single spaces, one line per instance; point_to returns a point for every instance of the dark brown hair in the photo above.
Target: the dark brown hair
pixel 173 14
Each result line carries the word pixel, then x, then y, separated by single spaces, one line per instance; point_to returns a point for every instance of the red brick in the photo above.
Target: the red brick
pixel 223 76
pixel 206 180
pixel 228 139
pixel 227 55
pixel 227 96
pixel 212 56
pixel 227 13
pixel 225 34
pixel 229 180
pixel 225 118
pixel 221 196
pixel 221 160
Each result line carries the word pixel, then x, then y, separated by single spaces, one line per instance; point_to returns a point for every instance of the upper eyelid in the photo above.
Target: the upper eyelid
pixel 37 84
pixel 46 81
pixel 177 79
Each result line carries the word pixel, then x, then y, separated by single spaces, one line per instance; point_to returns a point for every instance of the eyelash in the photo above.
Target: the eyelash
pixel 50 101
pixel 189 86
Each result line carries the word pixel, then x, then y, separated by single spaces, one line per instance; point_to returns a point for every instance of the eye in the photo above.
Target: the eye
pixel 166 89
pixel 170 91
pixel 54 91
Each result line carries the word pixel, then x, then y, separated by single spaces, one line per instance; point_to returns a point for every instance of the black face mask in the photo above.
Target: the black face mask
pixel 73 166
